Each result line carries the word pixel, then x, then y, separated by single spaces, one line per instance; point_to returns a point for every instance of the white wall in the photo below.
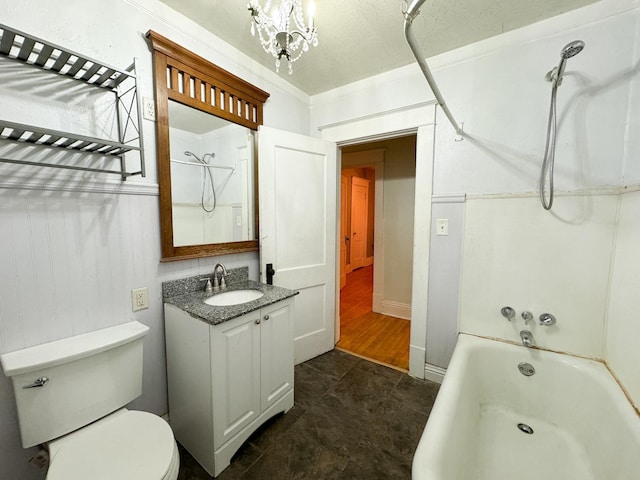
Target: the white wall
pixel 517 254
pixel 514 252
pixel 399 188
pixel 73 246
pixel 622 352
pixel 445 258
pixel 503 100
pixel 623 328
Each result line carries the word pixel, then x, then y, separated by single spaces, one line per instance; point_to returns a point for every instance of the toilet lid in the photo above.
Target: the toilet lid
pixel 124 445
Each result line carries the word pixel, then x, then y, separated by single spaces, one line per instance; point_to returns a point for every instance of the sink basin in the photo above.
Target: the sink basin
pixel 233 297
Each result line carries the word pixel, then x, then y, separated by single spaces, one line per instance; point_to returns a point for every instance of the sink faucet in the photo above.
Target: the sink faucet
pixel 220 284
pixel 527 338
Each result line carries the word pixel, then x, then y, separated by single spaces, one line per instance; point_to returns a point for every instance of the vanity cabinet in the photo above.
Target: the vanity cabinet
pixel 226 380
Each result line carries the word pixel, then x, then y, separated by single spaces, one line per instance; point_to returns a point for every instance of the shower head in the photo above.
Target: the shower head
pixel 572 49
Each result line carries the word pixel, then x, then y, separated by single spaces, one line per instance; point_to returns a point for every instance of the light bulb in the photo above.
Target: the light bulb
pixel 290 69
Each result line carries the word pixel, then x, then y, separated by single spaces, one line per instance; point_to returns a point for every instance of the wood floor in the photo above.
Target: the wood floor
pixel 374 336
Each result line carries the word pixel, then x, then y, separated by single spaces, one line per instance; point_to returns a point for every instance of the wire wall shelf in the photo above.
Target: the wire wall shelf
pixel 33 51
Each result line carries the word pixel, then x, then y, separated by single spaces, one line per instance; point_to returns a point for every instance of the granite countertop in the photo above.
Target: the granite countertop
pixel 192 300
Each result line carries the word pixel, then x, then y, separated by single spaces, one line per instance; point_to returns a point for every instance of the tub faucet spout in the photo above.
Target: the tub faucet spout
pixel 527 338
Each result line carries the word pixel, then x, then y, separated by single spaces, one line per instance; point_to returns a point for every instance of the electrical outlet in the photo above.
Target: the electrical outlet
pixel 148 108
pixel 139 299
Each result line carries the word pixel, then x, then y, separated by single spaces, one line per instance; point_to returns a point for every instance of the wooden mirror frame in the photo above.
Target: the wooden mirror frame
pixel 191 80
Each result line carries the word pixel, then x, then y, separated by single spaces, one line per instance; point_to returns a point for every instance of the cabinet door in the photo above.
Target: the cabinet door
pixel 277 351
pixel 235 358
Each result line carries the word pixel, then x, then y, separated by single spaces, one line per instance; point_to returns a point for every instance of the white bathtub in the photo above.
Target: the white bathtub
pixel 584 426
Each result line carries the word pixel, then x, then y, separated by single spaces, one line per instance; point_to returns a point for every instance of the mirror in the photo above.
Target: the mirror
pixel 212 178
pixel 206 120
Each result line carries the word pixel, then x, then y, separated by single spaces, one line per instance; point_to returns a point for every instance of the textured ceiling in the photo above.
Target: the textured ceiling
pixel 361 38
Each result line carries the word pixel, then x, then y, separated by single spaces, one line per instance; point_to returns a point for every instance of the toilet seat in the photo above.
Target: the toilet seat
pixel 125 445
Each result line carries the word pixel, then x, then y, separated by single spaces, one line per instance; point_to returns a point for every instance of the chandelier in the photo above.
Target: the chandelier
pixel 273 26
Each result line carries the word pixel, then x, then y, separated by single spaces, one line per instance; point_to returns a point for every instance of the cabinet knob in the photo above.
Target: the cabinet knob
pixel 266 317
pixel 258 321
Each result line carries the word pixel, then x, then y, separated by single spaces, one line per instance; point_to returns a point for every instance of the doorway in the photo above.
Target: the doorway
pixel 376 221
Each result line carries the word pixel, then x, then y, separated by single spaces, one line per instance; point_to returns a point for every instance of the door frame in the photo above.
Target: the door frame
pixel 418 120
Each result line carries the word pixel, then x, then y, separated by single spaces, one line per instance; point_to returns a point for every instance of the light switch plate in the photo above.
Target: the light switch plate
pixel 442 226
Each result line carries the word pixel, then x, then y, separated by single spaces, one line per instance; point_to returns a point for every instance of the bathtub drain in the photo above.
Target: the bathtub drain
pixel 526 369
pixel 523 427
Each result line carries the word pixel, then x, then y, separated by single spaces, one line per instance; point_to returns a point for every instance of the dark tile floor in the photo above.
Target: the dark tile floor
pixel 352 420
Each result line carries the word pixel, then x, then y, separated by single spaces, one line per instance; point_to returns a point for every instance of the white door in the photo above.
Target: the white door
pixel 359 220
pixel 297 185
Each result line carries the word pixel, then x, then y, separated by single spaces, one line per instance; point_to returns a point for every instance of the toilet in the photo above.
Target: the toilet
pixel 70 397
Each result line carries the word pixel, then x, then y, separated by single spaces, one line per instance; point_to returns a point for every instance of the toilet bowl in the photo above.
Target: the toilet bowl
pixel 70 397
pixel 124 445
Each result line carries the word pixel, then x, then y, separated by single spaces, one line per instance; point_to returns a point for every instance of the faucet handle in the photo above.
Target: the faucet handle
pixel 547 320
pixel 527 317
pixel 508 312
pixel 208 288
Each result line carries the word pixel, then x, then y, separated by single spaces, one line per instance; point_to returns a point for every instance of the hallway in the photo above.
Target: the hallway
pixel 374 336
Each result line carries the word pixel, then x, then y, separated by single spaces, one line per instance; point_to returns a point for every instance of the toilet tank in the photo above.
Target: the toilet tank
pixel 89 376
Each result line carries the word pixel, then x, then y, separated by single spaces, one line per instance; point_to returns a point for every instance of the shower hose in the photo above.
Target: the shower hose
pixel 546 173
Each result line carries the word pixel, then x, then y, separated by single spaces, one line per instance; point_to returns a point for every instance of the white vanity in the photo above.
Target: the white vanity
pixel 229 369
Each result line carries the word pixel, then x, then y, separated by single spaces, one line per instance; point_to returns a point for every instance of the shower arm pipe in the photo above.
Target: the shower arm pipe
pixel 411 13
pixel 196 164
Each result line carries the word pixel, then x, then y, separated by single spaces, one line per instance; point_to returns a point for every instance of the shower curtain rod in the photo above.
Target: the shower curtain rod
pixel 196 164
pixel 411 12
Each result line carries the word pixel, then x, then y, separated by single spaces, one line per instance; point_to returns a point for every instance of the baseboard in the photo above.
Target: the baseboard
pixel 434 373
pixel 395 309
pixel 368 261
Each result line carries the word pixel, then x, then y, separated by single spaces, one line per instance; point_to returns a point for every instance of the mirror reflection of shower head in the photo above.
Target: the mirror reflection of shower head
pixel 205 172
pixel 571 49
pixel 201 160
